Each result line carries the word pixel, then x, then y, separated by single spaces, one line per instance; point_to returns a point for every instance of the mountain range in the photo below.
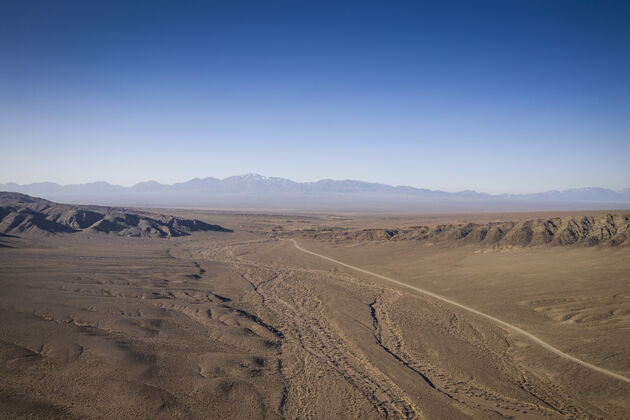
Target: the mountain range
pixel 257 191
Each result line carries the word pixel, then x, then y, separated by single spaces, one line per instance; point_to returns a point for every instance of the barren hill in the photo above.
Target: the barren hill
pixel 601 230
pixel 21 213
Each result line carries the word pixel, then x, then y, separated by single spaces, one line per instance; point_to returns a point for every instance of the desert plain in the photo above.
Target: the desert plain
pixel 116 313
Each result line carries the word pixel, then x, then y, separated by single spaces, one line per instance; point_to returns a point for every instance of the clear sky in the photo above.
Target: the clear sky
pixel 502 96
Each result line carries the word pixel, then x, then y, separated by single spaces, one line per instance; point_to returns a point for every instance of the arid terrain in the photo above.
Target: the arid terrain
pixel 126 313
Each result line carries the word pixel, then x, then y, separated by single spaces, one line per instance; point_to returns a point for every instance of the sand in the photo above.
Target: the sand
pixel 242 324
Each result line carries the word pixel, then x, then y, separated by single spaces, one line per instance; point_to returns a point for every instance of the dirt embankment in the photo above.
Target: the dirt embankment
pixel 602 230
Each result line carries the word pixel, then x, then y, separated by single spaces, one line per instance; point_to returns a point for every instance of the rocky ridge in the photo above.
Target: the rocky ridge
pixel 601 230
pixel 21 213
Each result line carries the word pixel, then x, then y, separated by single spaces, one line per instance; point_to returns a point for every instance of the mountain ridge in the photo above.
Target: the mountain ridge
pixel 609 229
pixel 261 192
pixel 20 213
pixel 247 182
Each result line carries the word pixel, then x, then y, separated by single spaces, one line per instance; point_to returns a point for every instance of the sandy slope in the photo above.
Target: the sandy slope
pixel 476 312
pixel 242 325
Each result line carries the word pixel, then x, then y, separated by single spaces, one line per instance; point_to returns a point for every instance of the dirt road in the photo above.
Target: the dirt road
pixel 476 312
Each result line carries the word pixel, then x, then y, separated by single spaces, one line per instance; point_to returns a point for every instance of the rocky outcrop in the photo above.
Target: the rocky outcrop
pixel 20 213
pixel 601 230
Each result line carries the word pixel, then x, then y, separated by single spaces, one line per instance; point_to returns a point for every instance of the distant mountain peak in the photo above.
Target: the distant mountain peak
pixel 254 176
pixel 254 190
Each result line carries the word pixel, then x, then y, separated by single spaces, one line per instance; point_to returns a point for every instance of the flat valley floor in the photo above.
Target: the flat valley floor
pixel 243 324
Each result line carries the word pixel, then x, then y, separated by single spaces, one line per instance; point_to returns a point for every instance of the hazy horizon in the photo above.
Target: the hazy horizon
pixel 312 182
pixel 497 97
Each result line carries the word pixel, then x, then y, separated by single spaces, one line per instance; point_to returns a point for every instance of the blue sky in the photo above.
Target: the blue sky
pixel 502 96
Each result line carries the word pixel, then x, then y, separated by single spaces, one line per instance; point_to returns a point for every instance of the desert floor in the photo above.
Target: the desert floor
pixel 243 324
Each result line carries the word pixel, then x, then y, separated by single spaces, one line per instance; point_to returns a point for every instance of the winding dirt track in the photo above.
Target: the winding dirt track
pixel 476 312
